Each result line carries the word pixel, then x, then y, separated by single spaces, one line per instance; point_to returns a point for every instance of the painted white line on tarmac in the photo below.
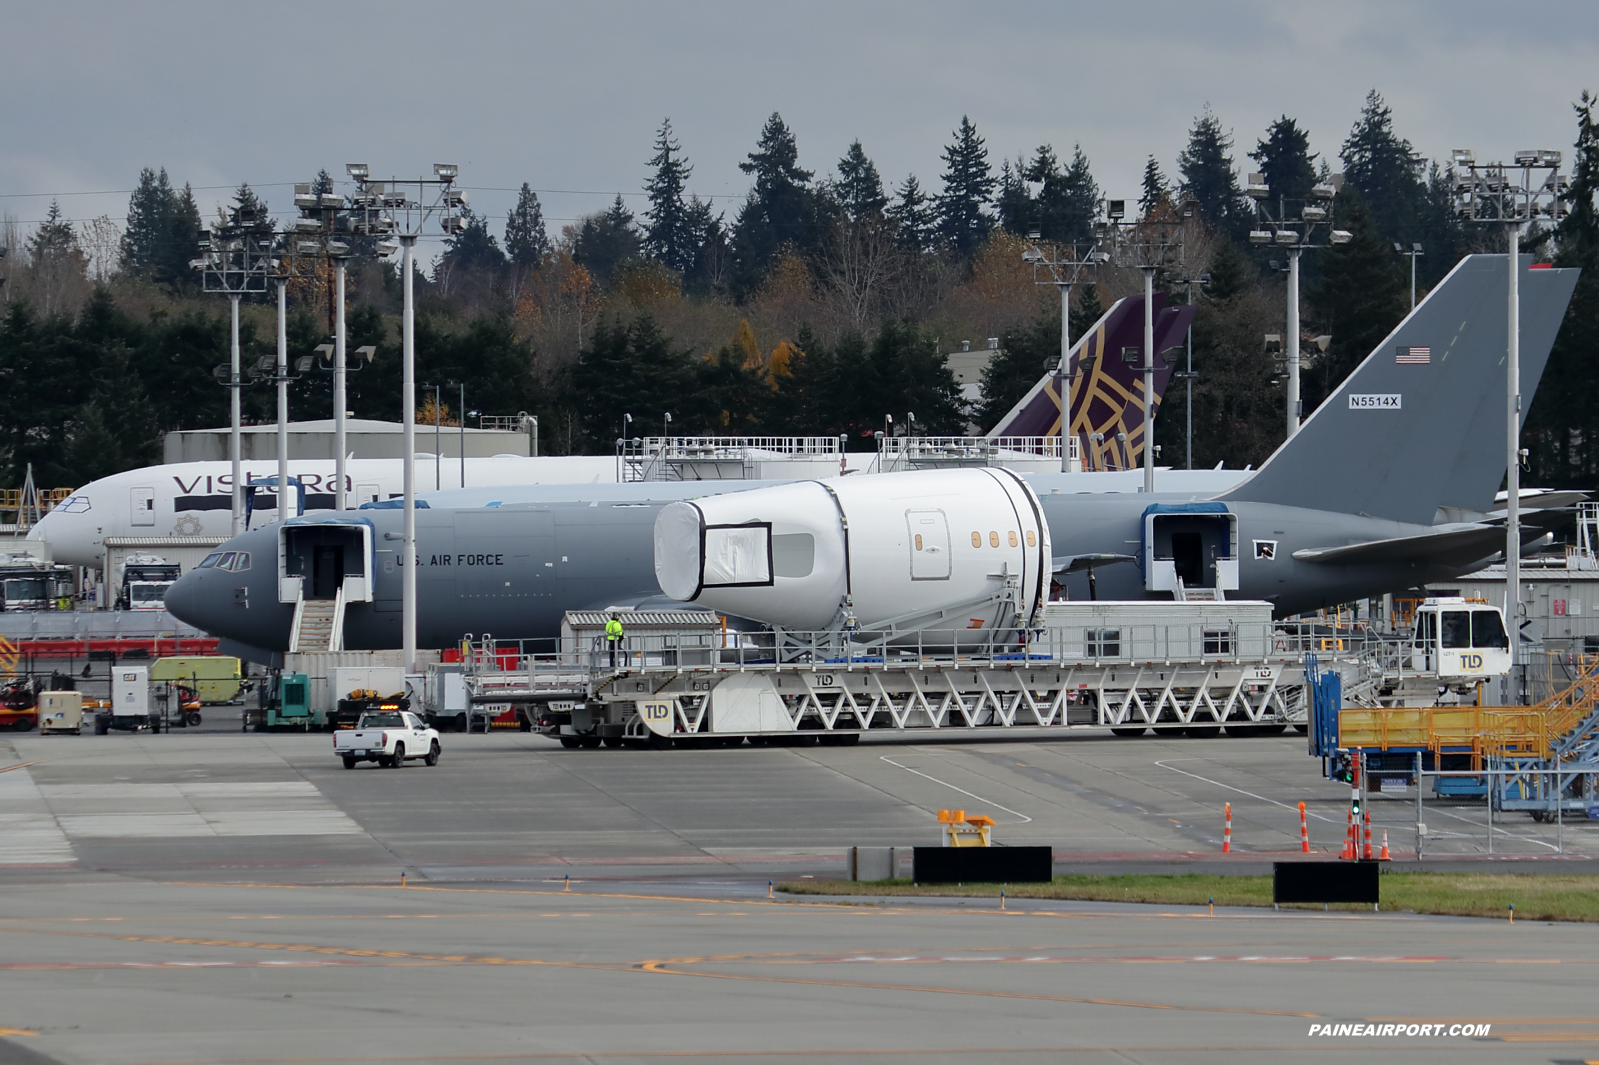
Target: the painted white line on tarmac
pixel 1241 791
pixel 1024 818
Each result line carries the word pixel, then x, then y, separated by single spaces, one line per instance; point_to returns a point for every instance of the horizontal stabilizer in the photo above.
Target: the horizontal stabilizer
pixel 1456 546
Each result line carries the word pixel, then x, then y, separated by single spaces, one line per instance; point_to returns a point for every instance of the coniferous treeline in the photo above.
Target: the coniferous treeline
pixel 822 302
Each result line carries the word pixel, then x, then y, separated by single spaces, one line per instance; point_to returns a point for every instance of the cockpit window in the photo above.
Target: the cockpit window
pixel 73 504
pixel 210 560
pixel 226 561
pixel 241 561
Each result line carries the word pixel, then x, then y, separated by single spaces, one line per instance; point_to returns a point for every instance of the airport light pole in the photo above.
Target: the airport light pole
pixel 1066 269
pixel 1295 235
pixel 1188 375
pixel 1510 196
pixel 1150 244
pixel 235 259
pixel 402 208
pixel 1415 250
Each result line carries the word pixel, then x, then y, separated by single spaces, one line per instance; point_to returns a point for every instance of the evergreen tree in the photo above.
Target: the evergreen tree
pixel 1285 160
pixel 1087 311
pixel 1386 170
pixel 1014 201
pixel 668 229
pixel 632 369
pixel 805 393
pixel 781 208
pixel 963 223
pixel 473 247
pixel 1156 190
pixel 1208 176
pixel 1230 273
pixel 859 188
pixel 149 217
pixel 606 240
pixel 1068 201
pixel 322 184
pixel 248 208
pixel 1362 296
pixel 526 241
pixel 1562 428
pixel 913 216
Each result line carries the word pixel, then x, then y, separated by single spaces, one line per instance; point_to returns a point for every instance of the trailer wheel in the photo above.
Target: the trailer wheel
pixel 397 760
pixel 611 741
pixel 193 717
pixel 589 742
pixel 1128 731
pixel 433 754
pixel 349 762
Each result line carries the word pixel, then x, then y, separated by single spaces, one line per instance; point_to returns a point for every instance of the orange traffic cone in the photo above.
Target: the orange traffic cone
pixel 1384 856
pixel 1227 831
pixel 1304 831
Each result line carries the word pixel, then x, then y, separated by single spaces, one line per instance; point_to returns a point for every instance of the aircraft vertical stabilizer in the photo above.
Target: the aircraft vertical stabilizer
pixel 1106 389
pixel 1420 424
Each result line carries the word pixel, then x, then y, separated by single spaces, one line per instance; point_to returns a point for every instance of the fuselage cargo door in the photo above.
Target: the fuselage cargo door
pixel 143 506
pixel 929 544
pixel 1190 550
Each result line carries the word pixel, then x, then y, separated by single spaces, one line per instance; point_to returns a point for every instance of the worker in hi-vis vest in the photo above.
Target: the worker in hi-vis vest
pixel 613 635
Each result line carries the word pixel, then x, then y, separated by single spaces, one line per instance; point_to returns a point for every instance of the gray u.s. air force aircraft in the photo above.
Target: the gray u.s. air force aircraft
pixel 1385 487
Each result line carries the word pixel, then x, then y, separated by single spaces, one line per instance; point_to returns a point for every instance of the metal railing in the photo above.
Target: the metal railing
pixel 662 458
pixel 896 453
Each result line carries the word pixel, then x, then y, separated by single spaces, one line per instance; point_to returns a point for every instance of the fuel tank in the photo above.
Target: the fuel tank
pixel 888 546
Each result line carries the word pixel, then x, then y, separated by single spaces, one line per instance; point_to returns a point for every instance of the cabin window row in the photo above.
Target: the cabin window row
pixel 993 539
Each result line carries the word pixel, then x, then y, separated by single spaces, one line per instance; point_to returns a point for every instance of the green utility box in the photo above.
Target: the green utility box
pixel 292 707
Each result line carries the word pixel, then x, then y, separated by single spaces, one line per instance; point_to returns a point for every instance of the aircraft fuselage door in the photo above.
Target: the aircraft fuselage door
pixel 327 570
pixel 929 544
pixel 143 506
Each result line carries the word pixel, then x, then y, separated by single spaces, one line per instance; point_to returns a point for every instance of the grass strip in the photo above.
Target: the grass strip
pixel 1536 897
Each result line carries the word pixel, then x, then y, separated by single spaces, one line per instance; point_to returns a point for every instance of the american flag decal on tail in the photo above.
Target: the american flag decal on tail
pixel 1413 356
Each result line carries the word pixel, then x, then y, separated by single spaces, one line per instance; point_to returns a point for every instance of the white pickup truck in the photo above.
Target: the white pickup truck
pixel 387 737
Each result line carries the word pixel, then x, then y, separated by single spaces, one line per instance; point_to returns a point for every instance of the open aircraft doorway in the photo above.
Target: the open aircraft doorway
pixel 324 564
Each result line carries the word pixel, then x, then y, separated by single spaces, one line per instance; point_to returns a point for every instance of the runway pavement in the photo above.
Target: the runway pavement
pixel 228 897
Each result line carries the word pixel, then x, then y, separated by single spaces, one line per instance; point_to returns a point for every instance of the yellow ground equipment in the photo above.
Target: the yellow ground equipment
pixel 212 678
pixel 963 831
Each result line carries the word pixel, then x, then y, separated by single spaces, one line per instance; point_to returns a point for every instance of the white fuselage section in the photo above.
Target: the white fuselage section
pixel 195 499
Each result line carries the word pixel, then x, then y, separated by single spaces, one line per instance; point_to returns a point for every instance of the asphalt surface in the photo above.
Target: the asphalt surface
pixel 225 897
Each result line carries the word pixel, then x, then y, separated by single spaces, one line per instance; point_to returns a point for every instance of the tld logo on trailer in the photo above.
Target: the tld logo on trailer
pixel 657 715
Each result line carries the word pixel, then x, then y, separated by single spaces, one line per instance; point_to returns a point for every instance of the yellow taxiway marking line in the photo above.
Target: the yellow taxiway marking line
pixel 17 1031
pixel 22 765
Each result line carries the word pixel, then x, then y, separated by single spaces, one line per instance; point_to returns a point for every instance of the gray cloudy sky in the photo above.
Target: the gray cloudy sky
pixel 568 96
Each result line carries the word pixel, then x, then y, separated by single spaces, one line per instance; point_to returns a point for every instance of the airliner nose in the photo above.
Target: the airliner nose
pixel 184 600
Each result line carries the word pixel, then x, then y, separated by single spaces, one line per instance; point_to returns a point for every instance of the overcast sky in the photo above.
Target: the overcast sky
pixel 568 96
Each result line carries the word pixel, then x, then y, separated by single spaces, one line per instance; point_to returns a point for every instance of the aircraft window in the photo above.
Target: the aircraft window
pixel 794 554
pixel 977 539
pixel 74 505
pixel 1032 541
pixel 226 561
pixel 1012 536
pixel 241 561
pixel 1487 630
pixel 918 541
pixel 1456 628
pixel 993 539
pixel 736 555
pixel 210 560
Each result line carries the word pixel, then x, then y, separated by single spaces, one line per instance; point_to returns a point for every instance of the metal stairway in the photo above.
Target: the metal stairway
pixel 316 625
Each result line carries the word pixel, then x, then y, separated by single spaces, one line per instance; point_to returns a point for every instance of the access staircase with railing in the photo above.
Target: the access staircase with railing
pixel 316 625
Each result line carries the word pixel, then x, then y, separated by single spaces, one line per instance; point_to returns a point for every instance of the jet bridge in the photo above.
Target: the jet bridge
pixel 324 564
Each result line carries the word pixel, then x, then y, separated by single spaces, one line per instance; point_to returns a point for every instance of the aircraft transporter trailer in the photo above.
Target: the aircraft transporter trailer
pixel 1195 667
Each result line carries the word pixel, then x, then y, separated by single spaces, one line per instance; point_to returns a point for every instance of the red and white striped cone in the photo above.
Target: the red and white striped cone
pixel 1368 835
pixel 1227 831
pixel 1349 854
pixel 1304 831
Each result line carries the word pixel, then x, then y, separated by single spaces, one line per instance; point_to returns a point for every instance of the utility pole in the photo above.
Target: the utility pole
pixel 1293 229
pixel 1065 271
pixel 1511 196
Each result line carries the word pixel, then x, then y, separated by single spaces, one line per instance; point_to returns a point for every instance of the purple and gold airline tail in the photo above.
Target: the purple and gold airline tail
pixel 1106 386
